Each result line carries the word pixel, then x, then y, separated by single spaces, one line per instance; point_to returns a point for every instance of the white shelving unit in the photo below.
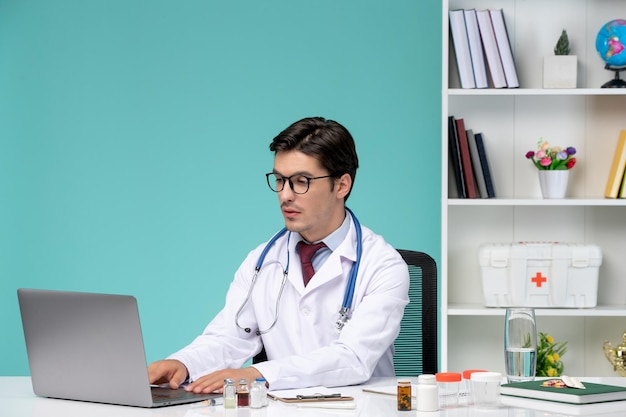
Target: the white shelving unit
pixel 512 120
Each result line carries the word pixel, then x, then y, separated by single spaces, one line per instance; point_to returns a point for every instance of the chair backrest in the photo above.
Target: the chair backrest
pixel 416 348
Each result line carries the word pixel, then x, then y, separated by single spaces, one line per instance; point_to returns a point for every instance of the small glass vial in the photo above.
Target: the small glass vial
pixel 230 394
pixel 256 395
pixel 448 384
pixel 427 393
pixel 404 395
pixel 263 385
pixel 243 394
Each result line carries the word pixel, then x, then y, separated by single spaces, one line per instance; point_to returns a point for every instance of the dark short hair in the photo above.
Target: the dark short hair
pixel 325 140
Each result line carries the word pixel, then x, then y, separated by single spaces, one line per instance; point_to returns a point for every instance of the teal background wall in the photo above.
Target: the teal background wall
pixel 134 138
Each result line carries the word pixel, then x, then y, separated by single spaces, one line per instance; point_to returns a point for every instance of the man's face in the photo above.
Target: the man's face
pixel 319 211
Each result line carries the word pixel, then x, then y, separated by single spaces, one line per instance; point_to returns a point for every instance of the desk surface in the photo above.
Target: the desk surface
pixel 17 400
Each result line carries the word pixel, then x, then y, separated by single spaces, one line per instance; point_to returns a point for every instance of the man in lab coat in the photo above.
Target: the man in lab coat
pixel 315 165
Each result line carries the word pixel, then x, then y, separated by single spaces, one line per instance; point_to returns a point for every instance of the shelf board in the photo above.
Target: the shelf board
pixel 536 91
pixel 480 310
pixel 607 202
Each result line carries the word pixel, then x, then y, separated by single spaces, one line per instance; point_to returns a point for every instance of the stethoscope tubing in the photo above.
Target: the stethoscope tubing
pixel 350 286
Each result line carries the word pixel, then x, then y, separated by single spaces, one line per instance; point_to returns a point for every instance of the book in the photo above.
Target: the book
pixel 476 49
pixel 476 165
pixel 455 157
pixel 461 48
pixel 504 47
pixel 550 407
pixel 593 393
pixel 490 46
pixel 484 163
pixel 466 160
pixel 622 189
pixel 616 173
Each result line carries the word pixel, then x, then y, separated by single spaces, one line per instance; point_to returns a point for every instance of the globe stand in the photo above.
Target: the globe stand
pixel 616 82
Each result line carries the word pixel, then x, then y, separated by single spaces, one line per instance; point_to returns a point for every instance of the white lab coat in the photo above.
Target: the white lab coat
pixel 303 348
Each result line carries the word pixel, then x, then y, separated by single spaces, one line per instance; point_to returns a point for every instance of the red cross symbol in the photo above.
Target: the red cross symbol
pixel 538 279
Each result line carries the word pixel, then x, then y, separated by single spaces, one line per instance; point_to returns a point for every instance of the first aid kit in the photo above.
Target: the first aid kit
pixel 540 274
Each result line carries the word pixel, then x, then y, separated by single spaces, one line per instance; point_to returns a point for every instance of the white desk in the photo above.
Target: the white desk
pixel 17 400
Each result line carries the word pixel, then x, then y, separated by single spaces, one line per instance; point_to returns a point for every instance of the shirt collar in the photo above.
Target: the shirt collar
pixel 335 239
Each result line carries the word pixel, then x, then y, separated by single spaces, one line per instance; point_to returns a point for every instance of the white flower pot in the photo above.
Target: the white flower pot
pixel 560 71
pixel 553 183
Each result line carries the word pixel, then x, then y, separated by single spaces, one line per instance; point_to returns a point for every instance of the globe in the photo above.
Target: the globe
pixel 611 42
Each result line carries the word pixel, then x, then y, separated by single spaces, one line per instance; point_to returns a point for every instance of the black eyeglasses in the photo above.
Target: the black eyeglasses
pixel 299 183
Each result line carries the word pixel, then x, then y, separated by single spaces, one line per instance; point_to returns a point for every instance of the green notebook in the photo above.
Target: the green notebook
pixel 593 393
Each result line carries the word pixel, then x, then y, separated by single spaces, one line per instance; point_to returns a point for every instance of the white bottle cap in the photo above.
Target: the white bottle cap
pixel 486 376
pixel 427 379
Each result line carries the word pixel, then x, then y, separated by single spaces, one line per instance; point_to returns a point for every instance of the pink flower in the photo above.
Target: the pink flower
pixel 545 161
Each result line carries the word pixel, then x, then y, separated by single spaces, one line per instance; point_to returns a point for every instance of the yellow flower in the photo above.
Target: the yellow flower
pixel 550 339
pixel 556 356
pixel 552 372
pixel 550 358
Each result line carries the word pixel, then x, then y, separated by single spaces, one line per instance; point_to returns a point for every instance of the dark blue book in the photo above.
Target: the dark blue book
pixel 484 162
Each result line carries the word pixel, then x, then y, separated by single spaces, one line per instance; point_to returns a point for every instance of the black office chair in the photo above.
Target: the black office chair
pixel 416 346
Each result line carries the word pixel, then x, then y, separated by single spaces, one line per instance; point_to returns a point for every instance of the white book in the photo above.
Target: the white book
pixel 461 49
pixel 491 49
pixel 476 49
pixel 504 46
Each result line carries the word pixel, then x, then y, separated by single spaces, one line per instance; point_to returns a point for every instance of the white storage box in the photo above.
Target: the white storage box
pixel 539 274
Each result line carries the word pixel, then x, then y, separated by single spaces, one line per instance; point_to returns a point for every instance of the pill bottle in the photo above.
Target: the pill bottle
pixel 486 389
pixel 427 393
pixel 243 393
pixel 404 395
pixel 448 384
pixel 465 391
pixel 230 393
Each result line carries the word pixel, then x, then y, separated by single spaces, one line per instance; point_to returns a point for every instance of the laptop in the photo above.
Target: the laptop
pixel 89 347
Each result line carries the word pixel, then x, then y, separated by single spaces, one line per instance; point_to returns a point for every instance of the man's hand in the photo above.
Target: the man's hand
pixel 167 371
pixel 215 380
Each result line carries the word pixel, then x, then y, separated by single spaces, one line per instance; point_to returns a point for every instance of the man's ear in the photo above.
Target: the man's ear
pixel 343 186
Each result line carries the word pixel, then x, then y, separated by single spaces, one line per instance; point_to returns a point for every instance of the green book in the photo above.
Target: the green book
pixel 593 393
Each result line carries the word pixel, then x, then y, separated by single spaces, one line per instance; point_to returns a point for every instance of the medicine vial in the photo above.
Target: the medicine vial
pixel 256 394
pixel 263 383
pixel 404 395
pixel 243 394
pixel 230 394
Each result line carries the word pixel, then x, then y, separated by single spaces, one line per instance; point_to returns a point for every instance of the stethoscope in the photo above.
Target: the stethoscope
pixel 344 312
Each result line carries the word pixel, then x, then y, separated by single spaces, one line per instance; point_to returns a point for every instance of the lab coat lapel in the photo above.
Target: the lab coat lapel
pixel 333 267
